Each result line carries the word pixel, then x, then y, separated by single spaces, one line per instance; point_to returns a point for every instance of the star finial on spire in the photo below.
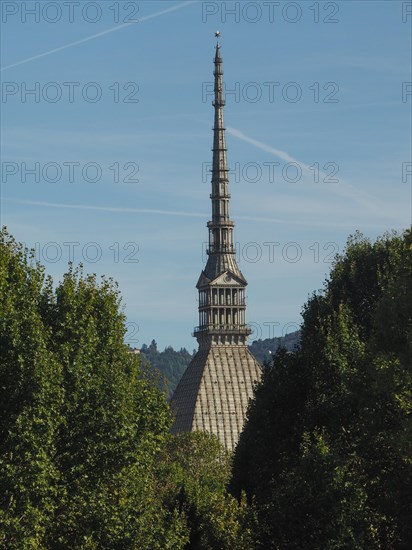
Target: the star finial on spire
pixel 217 34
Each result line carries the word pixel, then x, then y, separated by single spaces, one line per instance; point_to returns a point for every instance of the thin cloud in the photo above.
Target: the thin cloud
pixel 102 33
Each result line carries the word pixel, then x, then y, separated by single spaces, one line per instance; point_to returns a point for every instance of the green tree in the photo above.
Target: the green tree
pixel 194 472
pixel 31 395
pixel 325 456
pixel 81 426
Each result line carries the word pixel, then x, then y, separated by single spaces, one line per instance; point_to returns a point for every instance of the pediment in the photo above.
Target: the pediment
pixel 228 279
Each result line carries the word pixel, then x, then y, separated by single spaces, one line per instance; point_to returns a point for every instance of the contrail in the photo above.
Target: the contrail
pixel 128 210
pixel 109 208
pixel 343 188
pixel 260 145
pixel 102 33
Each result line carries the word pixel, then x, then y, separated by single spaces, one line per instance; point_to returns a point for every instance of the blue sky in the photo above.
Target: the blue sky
pixel 312 100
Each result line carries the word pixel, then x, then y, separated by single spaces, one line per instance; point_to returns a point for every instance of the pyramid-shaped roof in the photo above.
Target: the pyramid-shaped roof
pixel 214 392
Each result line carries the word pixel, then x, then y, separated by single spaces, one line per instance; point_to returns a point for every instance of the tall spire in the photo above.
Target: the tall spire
pixel 220 228
pixel 215 390
pixel 221 286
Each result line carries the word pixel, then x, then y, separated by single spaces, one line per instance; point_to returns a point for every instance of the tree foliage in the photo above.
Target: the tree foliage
pixel 325 456
pixel 194 472
pixel 80 426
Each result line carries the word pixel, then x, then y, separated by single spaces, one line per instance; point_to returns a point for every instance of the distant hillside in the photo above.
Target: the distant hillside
pixel 172 364
pixel 262 349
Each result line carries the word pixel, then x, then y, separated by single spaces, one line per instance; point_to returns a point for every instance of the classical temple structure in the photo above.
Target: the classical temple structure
pixel 214 391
